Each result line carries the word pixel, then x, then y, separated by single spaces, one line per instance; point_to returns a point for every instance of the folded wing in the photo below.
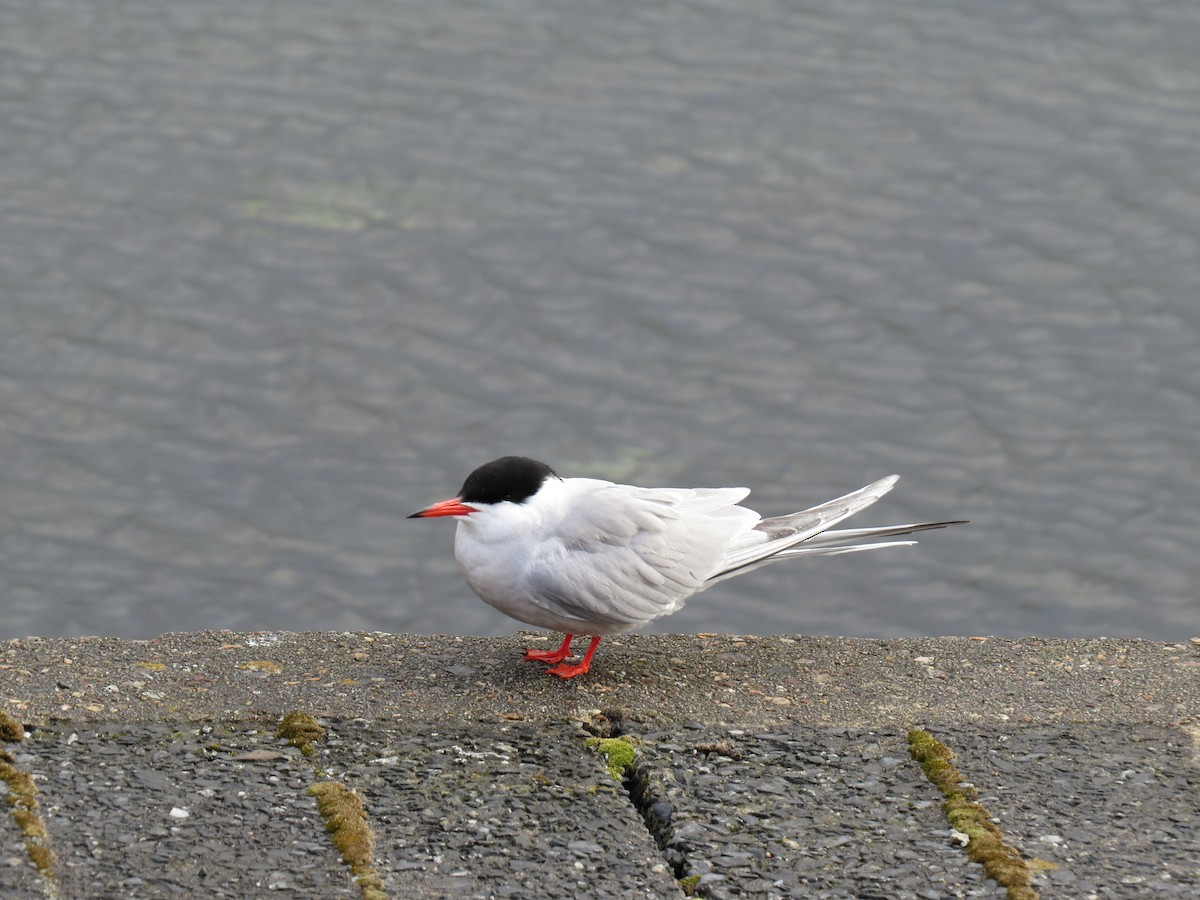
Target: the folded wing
pixel 624 556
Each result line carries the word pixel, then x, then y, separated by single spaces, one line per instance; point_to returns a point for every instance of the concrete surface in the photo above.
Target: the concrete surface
pixel 772 767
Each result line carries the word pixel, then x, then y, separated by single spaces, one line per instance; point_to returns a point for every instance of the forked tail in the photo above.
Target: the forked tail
pixel 807 533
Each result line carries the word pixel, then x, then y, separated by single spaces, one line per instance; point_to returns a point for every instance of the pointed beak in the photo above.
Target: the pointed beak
pixel 451 507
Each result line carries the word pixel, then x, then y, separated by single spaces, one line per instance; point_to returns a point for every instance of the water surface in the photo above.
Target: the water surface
pixel 273 276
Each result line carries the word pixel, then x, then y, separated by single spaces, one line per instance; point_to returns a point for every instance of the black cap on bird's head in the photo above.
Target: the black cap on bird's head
pixel 510 478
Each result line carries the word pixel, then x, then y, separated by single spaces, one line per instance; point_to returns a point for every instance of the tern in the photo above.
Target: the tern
pixel 586 556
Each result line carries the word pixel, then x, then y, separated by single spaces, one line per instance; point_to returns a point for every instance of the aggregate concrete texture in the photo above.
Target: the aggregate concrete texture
pixel 769 767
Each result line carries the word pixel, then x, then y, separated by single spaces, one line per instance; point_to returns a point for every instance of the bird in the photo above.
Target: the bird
pixel 591 557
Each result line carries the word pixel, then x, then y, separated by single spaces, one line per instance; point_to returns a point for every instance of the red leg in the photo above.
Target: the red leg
pixel 568 671
pixel 551 656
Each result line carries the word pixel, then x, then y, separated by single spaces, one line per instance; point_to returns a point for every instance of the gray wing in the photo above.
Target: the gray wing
pixel 623 556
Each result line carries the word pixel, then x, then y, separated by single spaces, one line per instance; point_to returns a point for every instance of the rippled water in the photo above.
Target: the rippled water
pixel 271 278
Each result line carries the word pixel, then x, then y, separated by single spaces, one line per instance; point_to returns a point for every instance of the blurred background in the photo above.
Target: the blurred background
pixel 274 275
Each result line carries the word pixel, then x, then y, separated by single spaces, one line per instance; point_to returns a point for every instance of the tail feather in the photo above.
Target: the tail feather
pixel 807 533
pixel 840 535
pixel 836 550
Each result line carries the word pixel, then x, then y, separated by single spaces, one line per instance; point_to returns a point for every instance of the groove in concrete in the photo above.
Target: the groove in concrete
pixel 20 793
pixel 345 818
pixel 495 810
pixel 180 810
pixel 798 812
pixel 1111 810
pixel 985 842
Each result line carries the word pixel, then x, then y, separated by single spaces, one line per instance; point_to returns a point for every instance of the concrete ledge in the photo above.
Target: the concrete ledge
pixel 670 678
pixel 445 766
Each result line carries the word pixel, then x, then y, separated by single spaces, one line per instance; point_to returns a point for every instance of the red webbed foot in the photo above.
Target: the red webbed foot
pixel 566 670
pixel 550 656
pixel 570 671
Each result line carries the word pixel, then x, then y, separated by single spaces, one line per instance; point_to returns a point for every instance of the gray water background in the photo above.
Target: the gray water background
pixel 273 275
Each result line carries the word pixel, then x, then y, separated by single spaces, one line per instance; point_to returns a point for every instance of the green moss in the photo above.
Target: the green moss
pixel 11 731
pixel 1040 865
pixel 29 822
pixel 42 857
pixel 22 797
pixel 985 842
pixel 619 752
pixel 688 885
pixel 346 821
pixel 300 730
